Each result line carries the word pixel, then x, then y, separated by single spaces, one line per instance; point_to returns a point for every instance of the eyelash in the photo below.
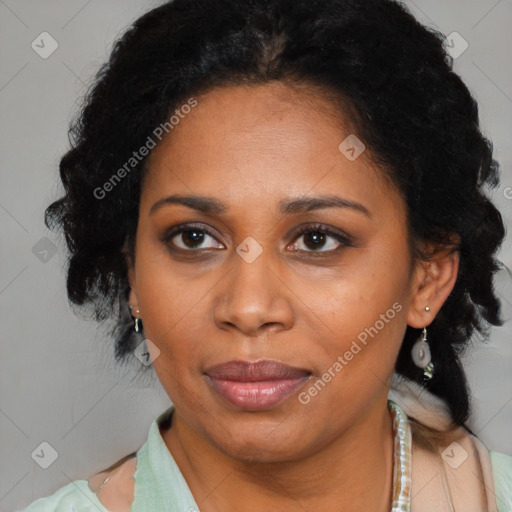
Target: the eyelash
pixel 344 240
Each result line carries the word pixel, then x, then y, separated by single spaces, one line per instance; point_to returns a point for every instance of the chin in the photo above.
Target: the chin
pixel 250 453
pixel 260 446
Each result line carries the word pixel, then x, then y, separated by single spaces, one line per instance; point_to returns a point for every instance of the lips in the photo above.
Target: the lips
pixel 256 386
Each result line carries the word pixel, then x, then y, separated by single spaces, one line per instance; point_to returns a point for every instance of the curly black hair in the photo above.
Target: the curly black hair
pixel 410 108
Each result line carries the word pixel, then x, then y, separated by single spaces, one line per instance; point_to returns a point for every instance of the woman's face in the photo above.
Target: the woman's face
pixel 244 284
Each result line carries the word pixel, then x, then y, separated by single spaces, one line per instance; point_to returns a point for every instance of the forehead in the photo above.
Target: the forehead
pixel 260 141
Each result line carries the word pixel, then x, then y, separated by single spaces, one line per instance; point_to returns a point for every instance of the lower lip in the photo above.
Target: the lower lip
pixel 257 396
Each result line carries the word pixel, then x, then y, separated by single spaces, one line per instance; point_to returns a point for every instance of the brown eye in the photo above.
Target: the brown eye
pixel 190 238
pixel 319 239
pixel 314 240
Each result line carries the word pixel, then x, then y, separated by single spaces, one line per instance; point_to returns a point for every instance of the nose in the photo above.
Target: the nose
pixel 253 298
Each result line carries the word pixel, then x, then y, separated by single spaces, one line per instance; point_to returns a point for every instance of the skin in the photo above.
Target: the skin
pixel 250 148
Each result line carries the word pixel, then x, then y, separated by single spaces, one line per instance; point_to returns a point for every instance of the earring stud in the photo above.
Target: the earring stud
pixel 137 321
pixel 137 312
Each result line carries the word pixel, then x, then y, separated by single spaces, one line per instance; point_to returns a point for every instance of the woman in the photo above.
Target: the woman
pixel 284 201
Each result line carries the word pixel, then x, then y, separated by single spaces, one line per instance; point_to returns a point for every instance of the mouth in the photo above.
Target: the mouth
pixel 256 386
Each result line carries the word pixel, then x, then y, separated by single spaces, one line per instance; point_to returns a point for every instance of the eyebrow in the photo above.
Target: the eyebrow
pixel 292 206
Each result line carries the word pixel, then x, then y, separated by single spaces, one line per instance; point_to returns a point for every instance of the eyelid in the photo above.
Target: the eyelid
pixel 186 226
pixel 343 238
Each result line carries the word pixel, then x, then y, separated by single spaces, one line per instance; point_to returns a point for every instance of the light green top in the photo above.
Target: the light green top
pixel 502 476
pixel 160 486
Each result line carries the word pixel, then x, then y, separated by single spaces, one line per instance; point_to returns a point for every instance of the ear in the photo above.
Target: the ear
pixel 433 282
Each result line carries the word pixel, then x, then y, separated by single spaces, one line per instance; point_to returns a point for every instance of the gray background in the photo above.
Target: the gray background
pixel 58 381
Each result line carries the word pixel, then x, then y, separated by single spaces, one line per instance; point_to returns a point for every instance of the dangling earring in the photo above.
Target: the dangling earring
pixel 422 358
pixel 142 352
pixel 137 321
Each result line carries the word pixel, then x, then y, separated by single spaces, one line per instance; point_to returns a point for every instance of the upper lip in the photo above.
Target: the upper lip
pixel 265 369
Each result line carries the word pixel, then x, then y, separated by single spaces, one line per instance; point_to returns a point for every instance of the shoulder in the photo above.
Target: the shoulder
pixel 502 475
pixel 94 495
pixel 452 468
pixel 109 490
pixel 115 486
pixel 73 497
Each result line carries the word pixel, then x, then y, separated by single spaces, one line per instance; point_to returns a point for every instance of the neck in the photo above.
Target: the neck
pixel 353 473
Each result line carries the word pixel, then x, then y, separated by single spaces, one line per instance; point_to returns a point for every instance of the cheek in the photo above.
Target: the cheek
pixel 361 314
pixel 363 293
pixel 363 339
pixel 357 359
pixel 172 309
